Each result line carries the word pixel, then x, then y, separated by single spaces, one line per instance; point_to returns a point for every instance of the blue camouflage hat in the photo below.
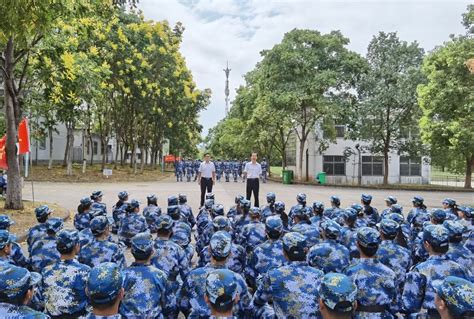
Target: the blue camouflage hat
pixel 86 200
pixel 254 211
pixel 66 239
pixel 438 215
pixel 331 229
pixel 318 206
pixel 221 287
pixel 15 281
pixel 357 207
pixel 396 217
pixel 458 293
pixel 298 211
pixel 389 227
pixel 173 200
pixel 468 211
pixel 417 200
pixel 142 245
pixel 123 195
pixel 220 223
pixel 134 204
pixel 335 200
pixel 301 198
pixel 368 237
pixel 273 225
pixel 220 244
pixel 181 237
pixel 279 207
pixel 271 197
pixel 395 208
pixel 436 235
pixel 420 219
pixel 97 211
pixel 455 228
pixel 42 211
pixel 208 203
pixel 104 283
pixel 5 238
pixel 210 196
pixel 97 194
pixel 152 198
pixel 366 198
pixel 245 203
pixel 164 222
pixel 182 198
pixel 449 201
pixel 218 210
pixel 173 212
pixel 99 225
pixel 350 214
pixel 5 222
pixel 294 244
pixel 338 292
pixel 391 199
pixel 238 199
pixel 54 224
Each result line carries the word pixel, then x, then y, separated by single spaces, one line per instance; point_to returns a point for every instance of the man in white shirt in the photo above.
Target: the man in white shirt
pixel 206 176
pixel 252 172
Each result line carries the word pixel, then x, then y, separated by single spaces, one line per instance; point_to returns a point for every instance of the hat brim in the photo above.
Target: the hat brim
pixel 35 278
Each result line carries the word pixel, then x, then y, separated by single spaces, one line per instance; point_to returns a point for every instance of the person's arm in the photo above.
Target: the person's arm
pixel 213 173
pixel 199 174
pixel 245 170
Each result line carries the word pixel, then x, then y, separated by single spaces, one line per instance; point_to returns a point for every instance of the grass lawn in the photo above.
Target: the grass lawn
pixel 93 174
pixel 276 171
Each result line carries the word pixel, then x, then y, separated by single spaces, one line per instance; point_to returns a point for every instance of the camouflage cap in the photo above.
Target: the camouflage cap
pixel 164 222
pixel 458 293
pixel 15 281
pixel 455 228
pixel 42 211
pixel 366 198
pixel 104 283
pixel 294 243
pixel 66 239
pixel 99 225
pixel 254 211
pixel 368 237
pixel 335 199
pixel 97 194
pixel 449 201
pixel 357 207
pixel 279 207
pixel 181 237
pixel 86 200
pixel 331 229
pixel 174 212
pixel 123 195
pixel 417 200
pixel 238 199
pixel 54 224
pixel 5 238
pixel 420 219
pixel 221 287
pixel 391 199
pixel 274 224
pixel 220 244
pixel 338 292
pixel 208 203
pixel 98 211
pixel 182 198
pixel 218 210
pixel 210 196
pixel 389 227
pixel 271 197
pixel 220 223
pixel 318 206
pixel 245 203
pixel 298 211
pixel 395 208
pixel 396 217
pixel 468 211
pixel 301 198
pixel 134 204
pixel 173 200
pixel 436 235
pixel 439 215
pixel 350 214
pixel 5 221
pixel 142 245
pixel 152 197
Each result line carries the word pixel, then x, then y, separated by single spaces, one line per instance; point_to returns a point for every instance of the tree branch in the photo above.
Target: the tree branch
pixel 24 52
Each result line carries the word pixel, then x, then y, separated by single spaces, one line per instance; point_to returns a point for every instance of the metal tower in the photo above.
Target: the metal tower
pixel 227 71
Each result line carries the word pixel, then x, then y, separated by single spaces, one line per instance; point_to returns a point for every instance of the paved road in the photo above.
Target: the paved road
pixel 69 194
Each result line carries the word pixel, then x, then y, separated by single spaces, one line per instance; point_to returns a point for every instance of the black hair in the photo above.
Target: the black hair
pixel 219 258
pixel 389 236
pixel 206 154
pixel 340 314
pixel 81 208
pixel 273 234
pixel 284 219
pixel 17 301
pixel 119 203
pixel 42 219
pixel 141 256
pixel 151 202
pixel 369 251
pixel 164 232
pixel 102 306
pixel 296 255
pixel 224 308
pixel 66 251
pixel 440 249
pixel 400 238
pixel 50 232
pixel 455 239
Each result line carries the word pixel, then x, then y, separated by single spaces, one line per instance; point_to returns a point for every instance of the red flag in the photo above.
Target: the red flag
pixel 3 153
pixel 23 137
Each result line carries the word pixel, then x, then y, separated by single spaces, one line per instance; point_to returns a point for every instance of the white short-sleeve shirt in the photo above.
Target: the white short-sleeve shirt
pixel 206 169
pixel 253 170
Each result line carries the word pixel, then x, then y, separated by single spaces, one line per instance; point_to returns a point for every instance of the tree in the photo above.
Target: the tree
pixel 306 76
pixel 447 101
pixel 388 106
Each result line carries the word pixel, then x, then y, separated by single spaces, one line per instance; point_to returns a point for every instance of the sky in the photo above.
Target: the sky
pixel 217 31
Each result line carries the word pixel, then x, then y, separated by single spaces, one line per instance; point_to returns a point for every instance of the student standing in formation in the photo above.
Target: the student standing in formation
pixel 252 173
pixel 206 176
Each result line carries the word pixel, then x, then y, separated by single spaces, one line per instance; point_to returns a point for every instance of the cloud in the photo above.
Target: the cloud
pixel 237 30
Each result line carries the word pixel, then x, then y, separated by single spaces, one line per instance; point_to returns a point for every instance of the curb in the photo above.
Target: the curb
pixel 22 237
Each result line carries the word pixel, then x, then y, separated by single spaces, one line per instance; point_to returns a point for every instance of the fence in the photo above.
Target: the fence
pixel 449 180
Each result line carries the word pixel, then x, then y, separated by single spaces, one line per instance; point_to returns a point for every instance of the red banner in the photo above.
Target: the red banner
pixel 171 158
pixel 23 137
pixel 3 153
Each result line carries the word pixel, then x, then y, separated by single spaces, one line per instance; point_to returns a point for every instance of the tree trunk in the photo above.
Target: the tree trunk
pixel 468 180
pixel 91 143
pixel 300 160
pixel 65 151
pixel 70 137
pixel 385 166
pixel 50 134
pixel 143 160
pixel 104 154
pixel 12 109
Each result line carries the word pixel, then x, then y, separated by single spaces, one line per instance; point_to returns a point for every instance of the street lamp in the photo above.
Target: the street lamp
pixel 359 177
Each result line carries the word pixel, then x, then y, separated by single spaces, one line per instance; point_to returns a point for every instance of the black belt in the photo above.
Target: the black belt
pixel 206 177
pixel 74 315
pixel 374 308
pixel 253 178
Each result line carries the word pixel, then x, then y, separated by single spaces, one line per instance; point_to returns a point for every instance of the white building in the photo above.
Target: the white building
pixel 344 164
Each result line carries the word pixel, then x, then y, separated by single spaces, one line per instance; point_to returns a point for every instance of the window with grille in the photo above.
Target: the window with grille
pixel 372 165
pixel 95 148
pixel 334 165
pixel 410 166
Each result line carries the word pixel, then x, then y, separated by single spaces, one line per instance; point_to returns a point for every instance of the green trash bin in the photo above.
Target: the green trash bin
pixel 321 178
pixel 287 177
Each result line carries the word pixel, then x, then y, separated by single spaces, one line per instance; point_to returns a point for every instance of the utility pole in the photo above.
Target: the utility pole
pixel 227 71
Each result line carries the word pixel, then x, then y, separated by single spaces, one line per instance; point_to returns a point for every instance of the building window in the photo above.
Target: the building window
pixel 95 150
pixel 42 143
pixel 372 165
pixel 334 165
pixel 410 166
pixel 340 131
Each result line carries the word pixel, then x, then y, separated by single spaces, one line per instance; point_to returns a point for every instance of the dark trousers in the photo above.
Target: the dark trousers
pixel 206 183
pixel 253 185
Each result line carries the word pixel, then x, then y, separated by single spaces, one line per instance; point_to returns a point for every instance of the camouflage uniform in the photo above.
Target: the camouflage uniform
pixel 370 213
pixel 222 288
pixel 64 282
pixel 191 299
pixel 457 252
pixel 253 234
pixel 14 281
pixel 349 232
pixel 16 256
pixel 419 208
pixel 329 256
pixel 145 286
pixel 186 211
pixel 301 199
pixel 269 209
pixel 39 230
pixel 377 284
pixel 418 291
pixel 305 227
pixel 101 251
pixel 236 262
pixel 457 293
pixel 118 211
pixel 293 288
pixel 334 211
pixel 181 237
pixel 82 219
pixel 44 252
pixel 131 224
